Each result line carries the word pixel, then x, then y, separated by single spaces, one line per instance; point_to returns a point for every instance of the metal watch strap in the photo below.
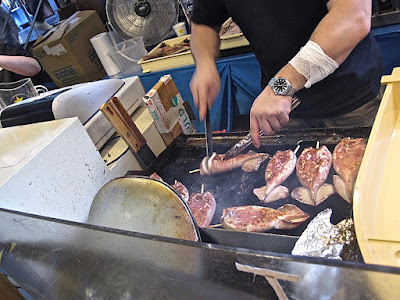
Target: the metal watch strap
pixel 290 89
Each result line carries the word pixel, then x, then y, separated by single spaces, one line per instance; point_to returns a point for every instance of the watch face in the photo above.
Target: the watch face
pixel 280 85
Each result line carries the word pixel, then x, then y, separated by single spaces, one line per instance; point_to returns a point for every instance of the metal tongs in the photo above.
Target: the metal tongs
pixel 246 141
pixel 208 132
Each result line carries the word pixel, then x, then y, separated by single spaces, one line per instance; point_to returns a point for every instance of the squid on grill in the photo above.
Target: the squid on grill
pixel 347 157
pixel 178 186
pixel 279 168
pixel 216 164
pixel 259 218
pixel 312 170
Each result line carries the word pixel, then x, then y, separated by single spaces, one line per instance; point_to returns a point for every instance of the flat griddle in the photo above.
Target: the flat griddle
pixel 235 188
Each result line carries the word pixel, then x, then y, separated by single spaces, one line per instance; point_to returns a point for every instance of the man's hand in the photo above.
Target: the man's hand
pixel 205 86
pixel 205 83
pixel 268 114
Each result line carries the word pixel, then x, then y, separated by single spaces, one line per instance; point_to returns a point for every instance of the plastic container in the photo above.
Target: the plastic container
pixel 180 29
pixel 126 55
pixel 14 92
pixel 376 204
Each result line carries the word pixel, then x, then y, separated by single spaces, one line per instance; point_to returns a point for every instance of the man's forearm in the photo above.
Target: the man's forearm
pixel 338 33
pixel 345 25
pixel 204 44
pixel 25 66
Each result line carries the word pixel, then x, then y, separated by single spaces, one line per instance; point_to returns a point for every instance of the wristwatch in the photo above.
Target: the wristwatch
pixel 281 86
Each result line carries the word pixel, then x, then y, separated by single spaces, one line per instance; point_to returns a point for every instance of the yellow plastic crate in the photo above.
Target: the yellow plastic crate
pixel 186 58
pixel 376 197
pixel 170 61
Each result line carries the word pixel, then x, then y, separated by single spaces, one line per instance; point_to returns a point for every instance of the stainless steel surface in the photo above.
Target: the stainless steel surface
pixel 246 141
pixel 208 132
pixel 53 259
pixel 144 205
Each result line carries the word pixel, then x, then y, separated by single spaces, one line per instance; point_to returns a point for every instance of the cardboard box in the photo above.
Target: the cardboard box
pixel 66 52
pixel 165 105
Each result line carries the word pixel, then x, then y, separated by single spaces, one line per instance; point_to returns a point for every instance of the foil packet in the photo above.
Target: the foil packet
pixel 323 239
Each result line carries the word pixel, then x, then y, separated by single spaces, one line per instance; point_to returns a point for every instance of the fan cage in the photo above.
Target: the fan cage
pixel 154 27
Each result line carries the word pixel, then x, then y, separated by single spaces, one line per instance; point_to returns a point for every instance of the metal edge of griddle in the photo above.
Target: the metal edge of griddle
pixel 259 255
pixel 286 136
pixel 269 242
pixel 201 243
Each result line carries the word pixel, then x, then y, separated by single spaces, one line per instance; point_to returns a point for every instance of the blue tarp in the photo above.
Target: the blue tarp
pixel 388 37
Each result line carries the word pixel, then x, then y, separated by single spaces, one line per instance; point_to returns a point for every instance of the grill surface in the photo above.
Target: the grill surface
pixel 235 188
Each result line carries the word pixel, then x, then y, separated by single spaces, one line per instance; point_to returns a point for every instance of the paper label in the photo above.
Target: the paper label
pixel 168 117
pixel 183 116
pixel 166 79
pixel 56 50
pixel 164 120
pixel 179 110
pixel 155 115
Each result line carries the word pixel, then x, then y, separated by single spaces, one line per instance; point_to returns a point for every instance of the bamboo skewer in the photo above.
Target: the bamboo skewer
pixel 215 226
pixel 297 149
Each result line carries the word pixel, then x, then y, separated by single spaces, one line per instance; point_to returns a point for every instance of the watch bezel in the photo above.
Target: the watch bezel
pixel 281 86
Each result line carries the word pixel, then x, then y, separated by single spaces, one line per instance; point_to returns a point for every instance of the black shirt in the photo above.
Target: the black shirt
pixel 17 50
pixel 277 30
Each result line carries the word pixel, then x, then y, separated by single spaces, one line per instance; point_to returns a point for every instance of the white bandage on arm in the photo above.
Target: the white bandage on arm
pixel 312 62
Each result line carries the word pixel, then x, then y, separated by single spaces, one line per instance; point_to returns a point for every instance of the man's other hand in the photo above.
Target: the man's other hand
pixel 268 114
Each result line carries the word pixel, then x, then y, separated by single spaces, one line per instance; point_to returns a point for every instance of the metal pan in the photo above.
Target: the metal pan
pixel 144 205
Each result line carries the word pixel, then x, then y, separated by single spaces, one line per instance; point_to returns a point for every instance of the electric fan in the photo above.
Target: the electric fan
pixel 152 19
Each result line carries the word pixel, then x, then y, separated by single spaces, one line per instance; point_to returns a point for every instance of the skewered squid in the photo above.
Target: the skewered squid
pixel 279 168
pixel 312 169
pixel 347 157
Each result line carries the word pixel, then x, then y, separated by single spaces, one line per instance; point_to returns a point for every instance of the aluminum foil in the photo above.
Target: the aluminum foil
pixel 323 239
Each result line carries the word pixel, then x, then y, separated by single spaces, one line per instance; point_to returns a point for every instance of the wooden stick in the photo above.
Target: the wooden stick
pixel 215 226
pixel 267 272
pixel 297 149
pixel 126 118
pixel 317 145
pixel 202 188
pixel 271 276
pixel 277 287
pixel 119 126
pixel 194 171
